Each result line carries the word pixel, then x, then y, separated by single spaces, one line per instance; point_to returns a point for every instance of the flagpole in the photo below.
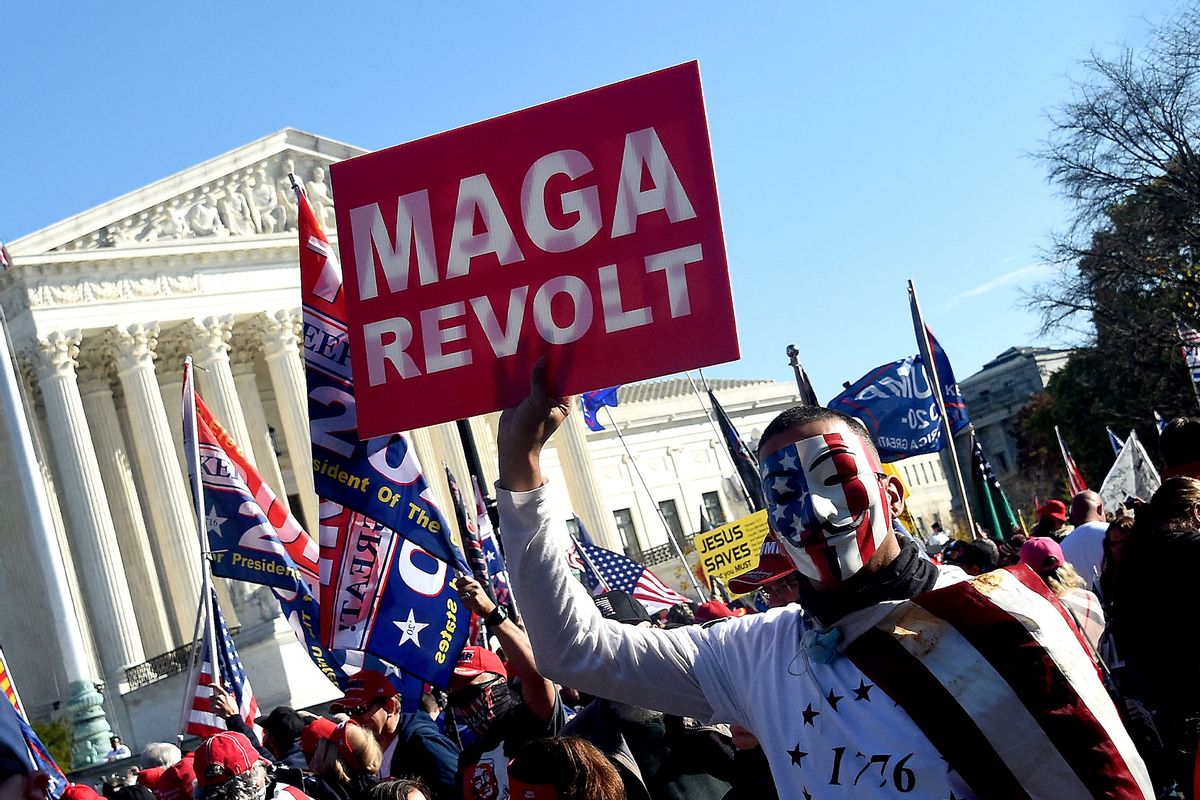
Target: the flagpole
pixel 803 384
pixel 1183 351
pixel 670 537
pixel 720 439
pixel 588 561
pixel 193 456
pixel 194 664
pixel 931 372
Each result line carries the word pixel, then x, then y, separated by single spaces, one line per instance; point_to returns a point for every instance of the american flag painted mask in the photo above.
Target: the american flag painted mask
pixel 827 504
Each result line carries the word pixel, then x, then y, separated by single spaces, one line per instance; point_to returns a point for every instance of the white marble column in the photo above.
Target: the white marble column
pixel 246 381
pixel 214 376
pixel 431 466
pixel 126 508
pixel 447 447
pixel 86 505
pixel 583 487
pixel 175 542
pixel 485 429
pixel 286 367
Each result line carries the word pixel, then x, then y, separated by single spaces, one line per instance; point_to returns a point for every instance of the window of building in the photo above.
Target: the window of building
pixel 670 513
pixel 712 508
pixel 628 533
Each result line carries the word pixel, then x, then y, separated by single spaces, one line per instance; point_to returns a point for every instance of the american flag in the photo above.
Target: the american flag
pixel 201 720
pixel 1074 476
pixel 619 572
pixel 491 552
pixel 1191 349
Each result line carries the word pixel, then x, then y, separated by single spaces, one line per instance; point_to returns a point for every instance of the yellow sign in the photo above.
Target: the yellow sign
pixel 733 548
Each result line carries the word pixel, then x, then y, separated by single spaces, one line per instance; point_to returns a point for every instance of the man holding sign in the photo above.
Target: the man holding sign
pixel 910 680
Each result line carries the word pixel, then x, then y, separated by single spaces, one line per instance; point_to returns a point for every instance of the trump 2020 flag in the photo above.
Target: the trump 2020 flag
pixel 621 572
pixel 253 536
pixel 593 401
pixel 386 559
pixel 224 669
pixel 896 404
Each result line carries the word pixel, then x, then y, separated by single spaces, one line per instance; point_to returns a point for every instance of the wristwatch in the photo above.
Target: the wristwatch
pixel 495 618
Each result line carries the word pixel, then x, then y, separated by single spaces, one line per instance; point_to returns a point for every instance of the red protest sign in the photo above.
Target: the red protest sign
pixel 585 229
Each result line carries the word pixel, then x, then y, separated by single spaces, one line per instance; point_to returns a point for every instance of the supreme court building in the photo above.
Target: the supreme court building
pixel 101 310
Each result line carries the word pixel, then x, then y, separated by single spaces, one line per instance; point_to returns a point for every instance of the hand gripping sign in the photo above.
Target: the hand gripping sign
pixel 586 230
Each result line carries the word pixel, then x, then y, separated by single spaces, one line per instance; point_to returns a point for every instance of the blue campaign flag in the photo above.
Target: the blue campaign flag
pixel 896 404
pixel 592 403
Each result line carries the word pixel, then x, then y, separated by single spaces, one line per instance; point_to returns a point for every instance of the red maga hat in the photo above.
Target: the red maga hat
pixel 773 564
pixel 366 685
pixel 223 756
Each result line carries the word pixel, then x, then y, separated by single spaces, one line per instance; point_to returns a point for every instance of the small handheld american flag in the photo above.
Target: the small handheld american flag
pixel 201 720
pixel 627 575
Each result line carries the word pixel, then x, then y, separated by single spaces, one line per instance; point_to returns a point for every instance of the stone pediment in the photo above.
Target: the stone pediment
pixel 242 193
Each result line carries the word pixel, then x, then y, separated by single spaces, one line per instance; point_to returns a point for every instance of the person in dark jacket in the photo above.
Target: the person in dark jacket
pixel 659 756
pixel 412 745
pixel 1156 598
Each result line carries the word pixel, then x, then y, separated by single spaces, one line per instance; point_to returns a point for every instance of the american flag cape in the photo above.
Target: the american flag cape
pixel 622 573
pixel 201 721
pixel 380 530
pixel 996 675
pixel 1074 476
pixel 18 736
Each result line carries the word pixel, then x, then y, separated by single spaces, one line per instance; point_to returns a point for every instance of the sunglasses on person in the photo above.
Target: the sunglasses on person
pixel 362 711
pixel 461 698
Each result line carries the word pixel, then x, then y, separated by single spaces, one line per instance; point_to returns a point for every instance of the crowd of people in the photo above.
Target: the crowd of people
pixel 594 698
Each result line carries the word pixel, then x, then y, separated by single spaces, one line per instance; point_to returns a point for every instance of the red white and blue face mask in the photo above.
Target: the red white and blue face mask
pixel 828 505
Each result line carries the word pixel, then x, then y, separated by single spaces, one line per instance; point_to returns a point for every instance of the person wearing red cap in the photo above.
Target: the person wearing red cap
pixel 775 574
pixel 482 698
pixel 918 669
pixel 178 781
pixel 1052 520
pixel 1045 556
pixel 412 745
pixel 229 767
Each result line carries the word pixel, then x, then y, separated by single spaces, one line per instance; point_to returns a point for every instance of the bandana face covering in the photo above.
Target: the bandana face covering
pixel 490 702
pixel 827 504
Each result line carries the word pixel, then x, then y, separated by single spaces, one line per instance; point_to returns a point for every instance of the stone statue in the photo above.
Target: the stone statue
pixel 236 212
pixel 204 220
pixel 285 195
pixel 320 199
pixel 265 203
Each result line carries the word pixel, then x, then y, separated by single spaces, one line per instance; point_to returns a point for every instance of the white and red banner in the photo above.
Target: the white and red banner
pixel 584 230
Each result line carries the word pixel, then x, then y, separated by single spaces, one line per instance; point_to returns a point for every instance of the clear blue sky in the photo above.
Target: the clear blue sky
pixel 856 144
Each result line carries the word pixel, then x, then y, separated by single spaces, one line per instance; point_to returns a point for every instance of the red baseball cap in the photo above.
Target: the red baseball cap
pixel 320 728
pixel 178 781
pixel 366 685
pixel 476 661
pixel 773 564
pixel 223 756
pixel 81 791
pixel 1053 509
pixel 715 609
pixel 1042 555
pixel 150 777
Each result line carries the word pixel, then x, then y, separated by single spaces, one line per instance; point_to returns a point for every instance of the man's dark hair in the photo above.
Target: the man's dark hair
pixel 797 416
pixel 284 725
pixel 1179 442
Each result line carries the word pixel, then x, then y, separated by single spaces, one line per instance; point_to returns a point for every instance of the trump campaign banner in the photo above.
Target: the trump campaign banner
pixel 897 405
pixel 582 230
pixel 386 559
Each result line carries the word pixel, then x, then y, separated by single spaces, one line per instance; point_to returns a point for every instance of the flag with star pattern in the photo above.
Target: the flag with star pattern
pixel 386 558
pixel 252 535
pixel 623 573
pixel 224 669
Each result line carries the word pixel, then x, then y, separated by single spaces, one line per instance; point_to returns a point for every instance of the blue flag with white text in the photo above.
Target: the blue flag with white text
pixel 896 404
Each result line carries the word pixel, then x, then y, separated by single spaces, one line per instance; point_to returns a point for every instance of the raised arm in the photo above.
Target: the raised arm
pixel 572 642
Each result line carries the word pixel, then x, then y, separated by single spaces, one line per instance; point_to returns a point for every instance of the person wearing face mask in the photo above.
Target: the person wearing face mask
pixel 229 767
pixel 412 745
pixel 483 698
pixel 899 678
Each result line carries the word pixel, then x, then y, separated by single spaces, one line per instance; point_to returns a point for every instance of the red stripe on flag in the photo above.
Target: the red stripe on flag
pixel 1033 583
pixel 1044 690
pixel 937 713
